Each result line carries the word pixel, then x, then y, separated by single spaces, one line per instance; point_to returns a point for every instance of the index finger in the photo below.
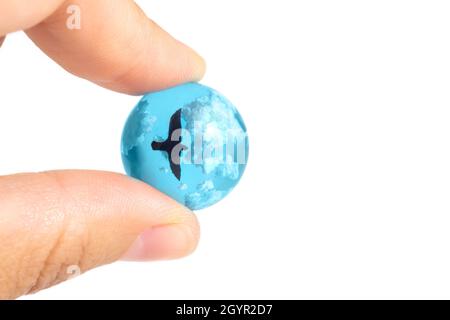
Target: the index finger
pixel 112 42
pixel 116 46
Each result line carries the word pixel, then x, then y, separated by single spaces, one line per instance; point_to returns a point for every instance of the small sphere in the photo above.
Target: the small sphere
pixel 189 142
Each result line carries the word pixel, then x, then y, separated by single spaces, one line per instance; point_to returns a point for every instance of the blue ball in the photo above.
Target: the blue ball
pixel 189 142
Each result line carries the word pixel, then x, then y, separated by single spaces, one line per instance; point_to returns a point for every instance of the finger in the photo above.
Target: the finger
pixel 1 40
pixel 116 46
pixel 23 14
pixel 51 223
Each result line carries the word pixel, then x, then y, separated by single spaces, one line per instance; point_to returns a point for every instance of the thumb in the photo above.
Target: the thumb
pixel 54 223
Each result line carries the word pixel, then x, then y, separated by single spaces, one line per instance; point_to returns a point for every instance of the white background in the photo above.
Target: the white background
pixel 347 190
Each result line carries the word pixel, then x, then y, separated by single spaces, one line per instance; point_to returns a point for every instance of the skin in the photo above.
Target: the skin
pixel 53 222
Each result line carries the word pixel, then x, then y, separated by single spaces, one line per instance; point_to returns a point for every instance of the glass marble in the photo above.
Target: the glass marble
pixel 189 142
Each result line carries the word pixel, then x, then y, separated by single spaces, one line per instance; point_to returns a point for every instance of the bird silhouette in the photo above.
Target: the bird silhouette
pixel 168 145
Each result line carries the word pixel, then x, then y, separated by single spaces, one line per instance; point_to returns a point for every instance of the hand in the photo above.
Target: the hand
pixel 55 223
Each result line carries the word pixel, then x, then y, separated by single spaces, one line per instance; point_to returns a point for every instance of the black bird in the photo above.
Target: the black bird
pixel 168 145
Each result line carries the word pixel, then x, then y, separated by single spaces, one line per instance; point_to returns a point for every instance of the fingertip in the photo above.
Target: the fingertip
pixel 167 63
pixel 199 67
pixel 164 242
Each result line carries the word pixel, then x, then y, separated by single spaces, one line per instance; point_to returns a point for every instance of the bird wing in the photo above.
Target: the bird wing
pixel 176 170
pixel 175 123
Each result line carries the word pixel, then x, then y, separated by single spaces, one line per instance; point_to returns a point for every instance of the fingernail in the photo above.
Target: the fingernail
pixel 162 243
